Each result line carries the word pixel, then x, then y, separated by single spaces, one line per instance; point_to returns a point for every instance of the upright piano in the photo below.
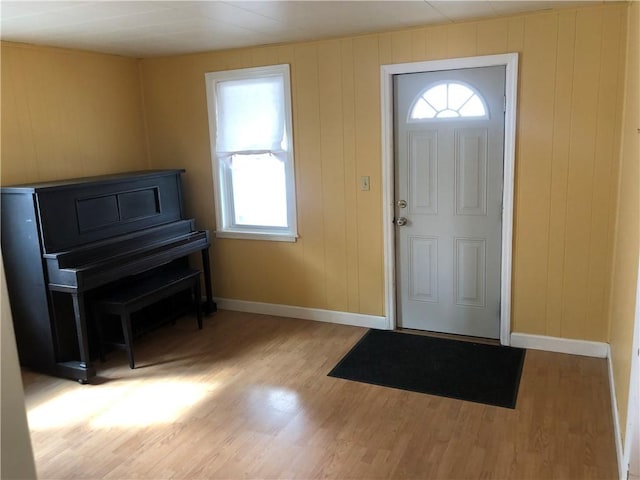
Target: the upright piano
pixel 64 241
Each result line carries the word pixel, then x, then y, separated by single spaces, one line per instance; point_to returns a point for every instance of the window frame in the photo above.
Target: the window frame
pixel 486 116
pixel 222 177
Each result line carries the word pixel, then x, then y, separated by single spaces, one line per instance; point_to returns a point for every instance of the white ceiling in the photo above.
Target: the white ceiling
pixel 152 28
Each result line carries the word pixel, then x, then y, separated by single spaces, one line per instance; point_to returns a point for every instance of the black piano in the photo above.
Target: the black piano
pixel 64 241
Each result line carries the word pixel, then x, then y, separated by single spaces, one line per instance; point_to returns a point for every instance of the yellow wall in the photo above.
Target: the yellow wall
pixel 569 98
pixel 67 113
pixel 627 237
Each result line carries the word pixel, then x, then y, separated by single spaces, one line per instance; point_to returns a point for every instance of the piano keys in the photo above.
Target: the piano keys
pixel 62 241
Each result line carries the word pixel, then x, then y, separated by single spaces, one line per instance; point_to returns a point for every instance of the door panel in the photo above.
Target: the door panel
pixel 471 171
pixel 449 171
pixel 423 173
pixel 470 271
pixel 423 265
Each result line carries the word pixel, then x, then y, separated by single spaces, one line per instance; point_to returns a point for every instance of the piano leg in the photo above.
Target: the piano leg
pixel 210 305
pixel 83 341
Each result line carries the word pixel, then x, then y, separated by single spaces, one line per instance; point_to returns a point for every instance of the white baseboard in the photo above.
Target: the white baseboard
pixel 560 345
pixel 616 418
pixel 329 316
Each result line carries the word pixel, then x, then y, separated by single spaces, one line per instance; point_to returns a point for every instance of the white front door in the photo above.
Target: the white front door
pixel 449 141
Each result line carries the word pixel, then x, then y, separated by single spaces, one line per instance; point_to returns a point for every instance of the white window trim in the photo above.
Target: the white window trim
pixel 223 226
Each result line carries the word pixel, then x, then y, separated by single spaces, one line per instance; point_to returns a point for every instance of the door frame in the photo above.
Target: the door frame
pixel 510 61
pixel 632 428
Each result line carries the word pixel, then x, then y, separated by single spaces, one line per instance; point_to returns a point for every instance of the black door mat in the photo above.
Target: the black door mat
pixel 469 371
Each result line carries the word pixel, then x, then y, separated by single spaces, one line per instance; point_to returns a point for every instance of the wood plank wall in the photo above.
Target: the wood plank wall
pixel 570 93
pixel 67 113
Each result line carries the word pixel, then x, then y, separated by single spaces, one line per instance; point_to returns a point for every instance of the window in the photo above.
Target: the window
pixel 252 153
pixel 448 100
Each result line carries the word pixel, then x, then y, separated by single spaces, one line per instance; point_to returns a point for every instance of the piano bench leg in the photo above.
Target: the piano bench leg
pixel 128 337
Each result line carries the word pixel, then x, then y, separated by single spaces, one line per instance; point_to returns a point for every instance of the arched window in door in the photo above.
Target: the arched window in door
pixel 448 100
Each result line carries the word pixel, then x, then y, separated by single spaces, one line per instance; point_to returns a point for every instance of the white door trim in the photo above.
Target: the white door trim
pixel 510 60
pixel 632 429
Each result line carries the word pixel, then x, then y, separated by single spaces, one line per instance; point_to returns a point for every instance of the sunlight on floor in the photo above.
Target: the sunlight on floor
pixel 126 405
pixel 283 399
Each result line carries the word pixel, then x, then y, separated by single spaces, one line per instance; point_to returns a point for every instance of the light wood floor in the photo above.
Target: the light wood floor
pixel 248 397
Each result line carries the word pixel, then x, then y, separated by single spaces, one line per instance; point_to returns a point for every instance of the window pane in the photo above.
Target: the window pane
pixel 259 190
pixel 473 108
pixel 447 114
pixel 422 110
pixel 250 114
pixel 437 96
pixel 458 94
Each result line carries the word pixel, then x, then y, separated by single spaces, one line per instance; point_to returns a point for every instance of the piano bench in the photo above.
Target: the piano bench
pixel 136 296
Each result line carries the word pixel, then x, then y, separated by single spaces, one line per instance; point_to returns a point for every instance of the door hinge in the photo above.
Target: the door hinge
pixel 504 103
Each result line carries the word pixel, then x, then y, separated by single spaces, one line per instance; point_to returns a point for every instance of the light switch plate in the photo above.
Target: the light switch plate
pixel 364 183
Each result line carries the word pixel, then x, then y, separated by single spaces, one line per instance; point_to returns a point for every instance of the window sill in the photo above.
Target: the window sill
pixel 272 237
